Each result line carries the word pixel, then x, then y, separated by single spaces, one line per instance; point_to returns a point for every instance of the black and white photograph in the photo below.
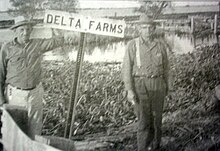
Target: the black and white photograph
pixel 109 75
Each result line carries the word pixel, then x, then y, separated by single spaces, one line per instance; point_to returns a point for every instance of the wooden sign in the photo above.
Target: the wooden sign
pixel 80 23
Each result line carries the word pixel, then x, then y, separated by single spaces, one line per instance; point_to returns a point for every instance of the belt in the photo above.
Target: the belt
pixel 25 89
pixel 147 76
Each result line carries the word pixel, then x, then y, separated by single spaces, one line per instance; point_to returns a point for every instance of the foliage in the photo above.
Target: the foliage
pixel 101 103
pixel 66 5
pixel 192 110
pixel 190 119
pixel 195 75
pixel 28 8
pixel 153 9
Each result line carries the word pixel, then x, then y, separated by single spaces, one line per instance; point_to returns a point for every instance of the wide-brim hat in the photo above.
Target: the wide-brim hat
pixel 22 23
pixel 145 19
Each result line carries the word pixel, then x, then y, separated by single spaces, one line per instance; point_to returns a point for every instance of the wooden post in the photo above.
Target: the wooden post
pixel 216 27
pixel 163 25
pixel 192 25
pixel 212 25
pixel 193 38
pixel 215 24
pixel 74 91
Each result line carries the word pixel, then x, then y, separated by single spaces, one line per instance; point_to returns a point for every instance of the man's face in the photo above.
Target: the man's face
pixel 146 30
pixel 23 33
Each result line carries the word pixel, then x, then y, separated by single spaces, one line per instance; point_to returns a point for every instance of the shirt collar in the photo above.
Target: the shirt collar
pixel 143 41
pixel 147 42
pixel 15 41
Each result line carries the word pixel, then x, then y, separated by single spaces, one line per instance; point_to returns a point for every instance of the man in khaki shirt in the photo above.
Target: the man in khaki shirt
pixel 20 72
pixel 145 75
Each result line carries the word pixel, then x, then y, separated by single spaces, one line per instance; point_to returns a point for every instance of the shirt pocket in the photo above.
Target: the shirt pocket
pixel 158 59
pixel 16 63
pixel 16 59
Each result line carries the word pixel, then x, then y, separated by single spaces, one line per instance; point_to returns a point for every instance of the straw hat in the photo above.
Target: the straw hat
pixel 20 21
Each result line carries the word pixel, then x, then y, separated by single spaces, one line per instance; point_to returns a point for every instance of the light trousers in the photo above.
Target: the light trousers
pixel 149 109
pixel 32 101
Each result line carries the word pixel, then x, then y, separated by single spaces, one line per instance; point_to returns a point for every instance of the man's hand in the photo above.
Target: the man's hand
pixel 57 32
pixel 70 38
pixel 131 96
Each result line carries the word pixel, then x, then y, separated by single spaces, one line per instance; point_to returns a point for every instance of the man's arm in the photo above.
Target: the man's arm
pixel 3 54
pixel 52 43
pixel 58 39
pixel 127 68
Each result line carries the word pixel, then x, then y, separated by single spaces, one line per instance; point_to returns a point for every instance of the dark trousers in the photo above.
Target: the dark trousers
pixel 149 108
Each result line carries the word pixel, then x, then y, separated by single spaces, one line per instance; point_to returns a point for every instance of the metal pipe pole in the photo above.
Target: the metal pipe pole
pixel 74 90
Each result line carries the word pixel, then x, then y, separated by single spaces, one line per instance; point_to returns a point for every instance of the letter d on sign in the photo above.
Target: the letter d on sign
pixel 49 18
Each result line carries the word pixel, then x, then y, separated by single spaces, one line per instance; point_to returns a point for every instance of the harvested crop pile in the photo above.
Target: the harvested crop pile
pixel 190 113
pixel 195 76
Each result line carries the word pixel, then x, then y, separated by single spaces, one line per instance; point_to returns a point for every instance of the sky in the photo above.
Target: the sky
pixel 107 4
pixel 4 4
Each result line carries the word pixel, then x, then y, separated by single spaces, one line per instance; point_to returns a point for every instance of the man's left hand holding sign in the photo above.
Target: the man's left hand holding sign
pixel 20 72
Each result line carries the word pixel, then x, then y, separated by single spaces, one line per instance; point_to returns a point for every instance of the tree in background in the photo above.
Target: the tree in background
pixel 65 5
pixel 153 9
pixel 28 8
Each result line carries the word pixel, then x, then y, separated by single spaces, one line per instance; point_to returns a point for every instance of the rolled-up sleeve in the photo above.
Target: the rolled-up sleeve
pixel 127 66
pixel 52 43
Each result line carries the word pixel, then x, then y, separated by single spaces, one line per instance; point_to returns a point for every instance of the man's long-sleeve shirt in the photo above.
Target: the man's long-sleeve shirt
pixel 20 65
pixel 150 61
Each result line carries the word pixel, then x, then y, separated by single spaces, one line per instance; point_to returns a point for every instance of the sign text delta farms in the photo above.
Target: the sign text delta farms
pixel 80 23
